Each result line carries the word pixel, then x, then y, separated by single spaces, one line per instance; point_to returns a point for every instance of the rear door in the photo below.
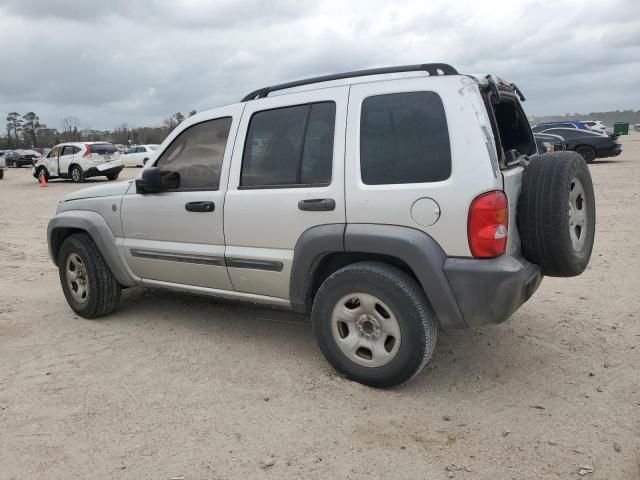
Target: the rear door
pixel 287 176
pixel 176 236
pixel 66 158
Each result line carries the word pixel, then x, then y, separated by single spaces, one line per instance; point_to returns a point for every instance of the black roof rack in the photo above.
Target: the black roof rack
pixel 431 68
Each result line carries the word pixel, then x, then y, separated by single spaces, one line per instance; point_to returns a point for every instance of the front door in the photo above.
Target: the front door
pixel 51 161
pixel 286 177
pixel 176 236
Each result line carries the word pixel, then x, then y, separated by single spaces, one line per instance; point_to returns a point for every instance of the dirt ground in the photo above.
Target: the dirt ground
pixel 179 386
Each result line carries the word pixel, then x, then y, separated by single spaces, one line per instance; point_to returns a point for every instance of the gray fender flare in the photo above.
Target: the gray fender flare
pixel 96 226
pixel 414 247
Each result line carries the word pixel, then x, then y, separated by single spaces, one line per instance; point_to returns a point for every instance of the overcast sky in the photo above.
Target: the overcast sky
pixel 138 61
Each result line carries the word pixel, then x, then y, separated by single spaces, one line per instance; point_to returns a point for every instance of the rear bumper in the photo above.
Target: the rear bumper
pixel 612 151
pixel 94 172
pixel 490 291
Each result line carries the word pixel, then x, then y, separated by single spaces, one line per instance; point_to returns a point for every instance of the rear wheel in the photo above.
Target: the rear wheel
pixel 1 173
pixel 374 324
pixel 89 286
pixel 587 152
pixel 112 176
pixel 77 174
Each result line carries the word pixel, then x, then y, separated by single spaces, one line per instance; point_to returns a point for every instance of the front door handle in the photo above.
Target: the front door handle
pixel 200 207
pixel 317 205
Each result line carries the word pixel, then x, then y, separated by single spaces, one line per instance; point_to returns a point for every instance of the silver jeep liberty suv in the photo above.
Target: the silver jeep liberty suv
pixel 385 203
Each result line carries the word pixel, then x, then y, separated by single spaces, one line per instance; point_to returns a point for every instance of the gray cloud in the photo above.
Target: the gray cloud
pixel 138 62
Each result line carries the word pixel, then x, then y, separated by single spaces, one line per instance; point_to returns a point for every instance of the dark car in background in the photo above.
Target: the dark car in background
pixel 547 142
pixel 590 145
pixel 20 158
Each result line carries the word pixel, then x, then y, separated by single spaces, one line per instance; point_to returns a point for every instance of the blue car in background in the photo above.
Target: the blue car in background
pixel 566 124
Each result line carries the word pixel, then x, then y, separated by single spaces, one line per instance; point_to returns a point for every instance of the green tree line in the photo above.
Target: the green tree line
pixel 27 131
pixel 608 118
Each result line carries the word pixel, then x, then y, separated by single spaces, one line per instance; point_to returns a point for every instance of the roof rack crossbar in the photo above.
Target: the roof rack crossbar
pixel 433 69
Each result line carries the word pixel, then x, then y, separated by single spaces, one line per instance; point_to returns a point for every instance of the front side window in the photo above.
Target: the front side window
pixel 54 152
pixel 291 146
pixel 195 156
pixel 404 139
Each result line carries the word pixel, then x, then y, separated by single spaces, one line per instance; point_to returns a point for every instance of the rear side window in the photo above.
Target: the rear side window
pixel 404 139
pixel 103 148
pixel 67 150
pixel 194 158
pixel 289 147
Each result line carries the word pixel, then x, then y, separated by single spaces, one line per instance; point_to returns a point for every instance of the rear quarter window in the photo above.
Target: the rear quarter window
pixel 404 139
pixel 103 148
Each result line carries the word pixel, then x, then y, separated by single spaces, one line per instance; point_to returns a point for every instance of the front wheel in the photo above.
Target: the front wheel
pixel 112 176
pixel 89 286
pixel 42 173
pixel 374 324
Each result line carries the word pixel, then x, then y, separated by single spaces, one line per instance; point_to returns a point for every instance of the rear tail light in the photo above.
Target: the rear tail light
pixel 88 152
pixel 488 225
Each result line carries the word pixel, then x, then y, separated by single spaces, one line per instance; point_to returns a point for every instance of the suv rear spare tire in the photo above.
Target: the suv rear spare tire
pixel 557 213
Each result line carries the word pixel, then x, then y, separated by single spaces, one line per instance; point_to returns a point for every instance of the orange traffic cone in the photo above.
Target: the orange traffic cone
pixel 43 181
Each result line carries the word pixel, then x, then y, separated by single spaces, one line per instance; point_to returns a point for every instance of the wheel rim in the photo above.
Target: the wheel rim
pixel 75 174
pixel 40 174
pixel 365 329
pixel 588 154
pixel 578 222
pixel 77 279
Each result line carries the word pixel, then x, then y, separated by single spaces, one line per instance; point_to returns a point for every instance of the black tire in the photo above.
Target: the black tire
pixel 103 289
pixel 545 212
pixel 408 303
pixel 76 173
pixel 588 153
pixel 43 171
pixel 112 176
pixel 1 173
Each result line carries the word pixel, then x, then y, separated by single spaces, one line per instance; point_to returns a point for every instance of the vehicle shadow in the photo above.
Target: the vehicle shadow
pixel 605 162
pixel 461 358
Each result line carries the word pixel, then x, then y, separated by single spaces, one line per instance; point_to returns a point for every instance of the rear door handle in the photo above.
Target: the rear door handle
pixel 200 207
pixel 317 205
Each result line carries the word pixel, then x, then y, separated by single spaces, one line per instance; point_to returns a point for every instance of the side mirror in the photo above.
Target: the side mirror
pixel 151 181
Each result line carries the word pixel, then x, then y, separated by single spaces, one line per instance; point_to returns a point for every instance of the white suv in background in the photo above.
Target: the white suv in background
pixel 79 161
pixel 385 203
pixel 139 155
pixel 596 126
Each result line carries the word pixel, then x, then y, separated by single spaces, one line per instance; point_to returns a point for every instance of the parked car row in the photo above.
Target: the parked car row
pixel 19 158
pixel 590 144
pixel 589 125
